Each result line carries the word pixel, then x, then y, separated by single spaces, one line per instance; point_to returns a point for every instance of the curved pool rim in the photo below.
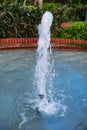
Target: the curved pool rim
pixel 31 43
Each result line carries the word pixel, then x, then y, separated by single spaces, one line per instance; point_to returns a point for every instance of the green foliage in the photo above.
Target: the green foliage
pixel 19 21
pixel 65 14
pixel 51 6
pixel 71 2
pixel 77 30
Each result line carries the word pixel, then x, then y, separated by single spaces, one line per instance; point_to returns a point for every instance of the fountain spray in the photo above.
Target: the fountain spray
pixel 43 53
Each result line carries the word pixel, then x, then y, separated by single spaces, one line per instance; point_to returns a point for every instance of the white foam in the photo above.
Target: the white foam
pixel 47 108
pixel 24 119
pixel 52 108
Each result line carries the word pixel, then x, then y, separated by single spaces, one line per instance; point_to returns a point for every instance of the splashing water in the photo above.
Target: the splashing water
pixel 43 98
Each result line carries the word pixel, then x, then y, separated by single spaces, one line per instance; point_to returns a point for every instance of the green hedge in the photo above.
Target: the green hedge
pixel 77 30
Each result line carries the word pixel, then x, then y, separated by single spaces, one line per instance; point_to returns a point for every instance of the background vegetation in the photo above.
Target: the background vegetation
pixel 77 30
pixel 18 19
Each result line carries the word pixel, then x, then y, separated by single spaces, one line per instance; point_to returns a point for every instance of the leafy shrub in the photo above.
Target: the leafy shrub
pixel 51 6
pixel 64 14
pixel 18 21
pixel 77 30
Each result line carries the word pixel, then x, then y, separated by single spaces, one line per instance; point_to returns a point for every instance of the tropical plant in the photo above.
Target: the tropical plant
pixel 19 21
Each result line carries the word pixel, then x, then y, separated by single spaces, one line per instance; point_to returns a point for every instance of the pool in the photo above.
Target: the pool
pixel 17 91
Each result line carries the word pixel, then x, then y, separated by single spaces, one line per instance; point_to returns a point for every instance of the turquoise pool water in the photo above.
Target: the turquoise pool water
pixel 18 90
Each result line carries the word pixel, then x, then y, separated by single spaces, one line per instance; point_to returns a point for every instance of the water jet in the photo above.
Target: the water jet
pixel 43 53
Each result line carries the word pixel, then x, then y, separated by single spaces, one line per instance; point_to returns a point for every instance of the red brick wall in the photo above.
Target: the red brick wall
pixel 31 43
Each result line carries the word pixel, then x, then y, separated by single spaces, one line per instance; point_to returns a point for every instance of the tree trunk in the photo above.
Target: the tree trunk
pixel 35 2
pixel 86 15
pixel 16 1
pixel 66 2
pixel 5 0
pixel 40 3
pixel 24 3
